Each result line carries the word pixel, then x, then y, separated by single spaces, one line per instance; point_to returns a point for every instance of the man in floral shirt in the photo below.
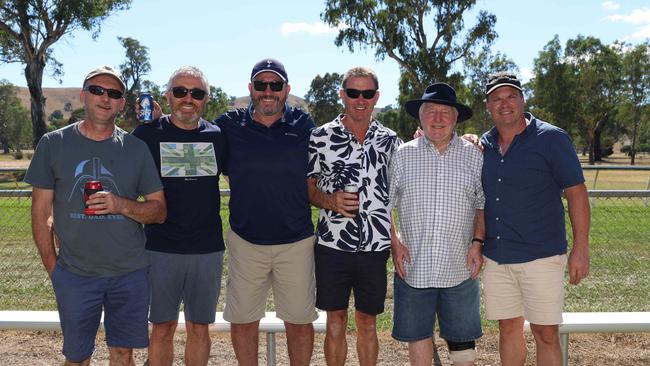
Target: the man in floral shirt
pixel 352 246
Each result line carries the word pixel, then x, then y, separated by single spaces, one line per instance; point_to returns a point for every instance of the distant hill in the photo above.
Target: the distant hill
pixel 55 98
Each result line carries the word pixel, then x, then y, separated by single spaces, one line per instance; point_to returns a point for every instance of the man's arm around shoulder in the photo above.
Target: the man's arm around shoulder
pixel 580 216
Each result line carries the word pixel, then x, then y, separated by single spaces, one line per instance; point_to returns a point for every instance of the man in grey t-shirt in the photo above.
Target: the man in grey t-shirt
pixel 101 263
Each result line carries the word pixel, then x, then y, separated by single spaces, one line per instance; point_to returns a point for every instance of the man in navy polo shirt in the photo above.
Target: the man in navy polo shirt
pixel 186 251
pixel 270 242
pixel 527 164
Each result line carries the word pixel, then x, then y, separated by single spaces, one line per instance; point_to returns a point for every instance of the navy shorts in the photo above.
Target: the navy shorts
pixel 339 272
pixel 80 300
pixel 194 279
pixel 457 308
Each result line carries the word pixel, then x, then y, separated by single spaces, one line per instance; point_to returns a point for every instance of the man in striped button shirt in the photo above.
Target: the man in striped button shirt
pixel 435 183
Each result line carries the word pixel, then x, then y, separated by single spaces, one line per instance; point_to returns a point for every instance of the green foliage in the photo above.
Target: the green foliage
pixel 29 28
pixel 323 97
pixel 636 73
pixel 477 69
pixel 133 70
pixel 217 105
pixel 580 90
pixel 425 38
pixel 14 119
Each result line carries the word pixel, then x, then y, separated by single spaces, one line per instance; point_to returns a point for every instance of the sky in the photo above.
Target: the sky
pixel 226 38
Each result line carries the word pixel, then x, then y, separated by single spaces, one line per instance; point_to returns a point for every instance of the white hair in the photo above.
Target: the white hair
pixel 189 71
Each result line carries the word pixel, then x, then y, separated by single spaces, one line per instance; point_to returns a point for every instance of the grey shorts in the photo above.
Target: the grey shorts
pixel 194 279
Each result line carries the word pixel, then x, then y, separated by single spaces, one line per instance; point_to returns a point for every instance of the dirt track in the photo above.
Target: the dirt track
pixel 43 348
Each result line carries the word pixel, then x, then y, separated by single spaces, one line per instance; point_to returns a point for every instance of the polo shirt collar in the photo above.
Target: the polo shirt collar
pixel 531 124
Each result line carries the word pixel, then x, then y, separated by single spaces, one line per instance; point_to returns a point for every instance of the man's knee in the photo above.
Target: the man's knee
pixel 365 323
pixel 462 352
pixel 163 331
pixel 197 331
pixel 548 334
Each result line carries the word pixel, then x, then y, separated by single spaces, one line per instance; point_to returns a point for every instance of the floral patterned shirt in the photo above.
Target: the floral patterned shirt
pixel 337 159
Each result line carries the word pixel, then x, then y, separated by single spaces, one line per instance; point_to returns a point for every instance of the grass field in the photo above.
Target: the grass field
pixel 620 263
pixel 619 279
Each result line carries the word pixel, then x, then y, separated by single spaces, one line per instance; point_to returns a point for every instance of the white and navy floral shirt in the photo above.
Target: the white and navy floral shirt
pixel 337 159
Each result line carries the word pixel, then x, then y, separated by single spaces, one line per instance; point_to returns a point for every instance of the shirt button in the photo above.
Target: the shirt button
pixel 498 237
pixel 497 219
pixel 499 180
pixel 497 198
pixel 502 160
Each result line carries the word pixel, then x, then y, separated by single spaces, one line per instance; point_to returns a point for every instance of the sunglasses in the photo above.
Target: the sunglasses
pixel 99 91
pixel 195 93
pixel 260 86
pixel 354 93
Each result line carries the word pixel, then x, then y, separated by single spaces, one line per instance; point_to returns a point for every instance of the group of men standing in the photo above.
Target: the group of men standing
pixel 457 207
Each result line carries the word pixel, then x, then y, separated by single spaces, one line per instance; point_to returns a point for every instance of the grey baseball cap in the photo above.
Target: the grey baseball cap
pixel 106 70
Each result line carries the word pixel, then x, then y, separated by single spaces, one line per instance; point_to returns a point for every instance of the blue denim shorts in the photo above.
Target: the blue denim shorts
pixel 80 300
pixel 457 309
pixel 194 279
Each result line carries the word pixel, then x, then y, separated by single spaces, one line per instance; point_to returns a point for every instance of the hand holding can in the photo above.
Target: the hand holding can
pixel 91 187
pixel 351 188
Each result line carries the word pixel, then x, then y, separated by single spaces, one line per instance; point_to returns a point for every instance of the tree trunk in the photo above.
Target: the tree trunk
pixel 5 146
pixel 34 75
pixel 598 152
pixel 637 120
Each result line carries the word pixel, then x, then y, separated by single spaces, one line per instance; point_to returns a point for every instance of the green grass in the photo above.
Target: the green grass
pixel 619 278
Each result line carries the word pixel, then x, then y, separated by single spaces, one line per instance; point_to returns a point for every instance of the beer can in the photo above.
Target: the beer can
pixel 351 188
pixel 145 115
pixel 91 187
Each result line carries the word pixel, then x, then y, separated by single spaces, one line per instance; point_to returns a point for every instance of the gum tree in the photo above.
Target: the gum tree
pixel 28 29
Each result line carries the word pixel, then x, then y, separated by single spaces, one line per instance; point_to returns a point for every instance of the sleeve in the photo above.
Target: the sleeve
pixel 564 162
pixel 40 173
pixel 393 180
pixel 478 185
pixel 149 178
pixel 313 170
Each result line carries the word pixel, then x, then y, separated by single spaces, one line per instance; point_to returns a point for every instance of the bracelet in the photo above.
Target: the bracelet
pixel 478 240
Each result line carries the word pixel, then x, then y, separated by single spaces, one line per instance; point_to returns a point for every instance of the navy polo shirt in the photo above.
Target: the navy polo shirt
pixel 267 170
pixel 524 215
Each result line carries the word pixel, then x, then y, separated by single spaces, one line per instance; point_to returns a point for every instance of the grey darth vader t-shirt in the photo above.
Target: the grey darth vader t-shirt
pixel 94 245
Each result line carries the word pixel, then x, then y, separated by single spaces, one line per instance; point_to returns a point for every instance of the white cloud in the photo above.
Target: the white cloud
pixel 638 16
pixel 313 29
pixel 642 34
pixel 610 5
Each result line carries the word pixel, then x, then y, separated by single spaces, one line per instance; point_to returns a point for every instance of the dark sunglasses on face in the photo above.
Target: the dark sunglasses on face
pixel 195 93
pixel 354 93
pixel 260 86
pixel 99 90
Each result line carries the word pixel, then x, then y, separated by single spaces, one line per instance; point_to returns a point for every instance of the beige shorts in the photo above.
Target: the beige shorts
pixel 534 290
pixel 286 268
